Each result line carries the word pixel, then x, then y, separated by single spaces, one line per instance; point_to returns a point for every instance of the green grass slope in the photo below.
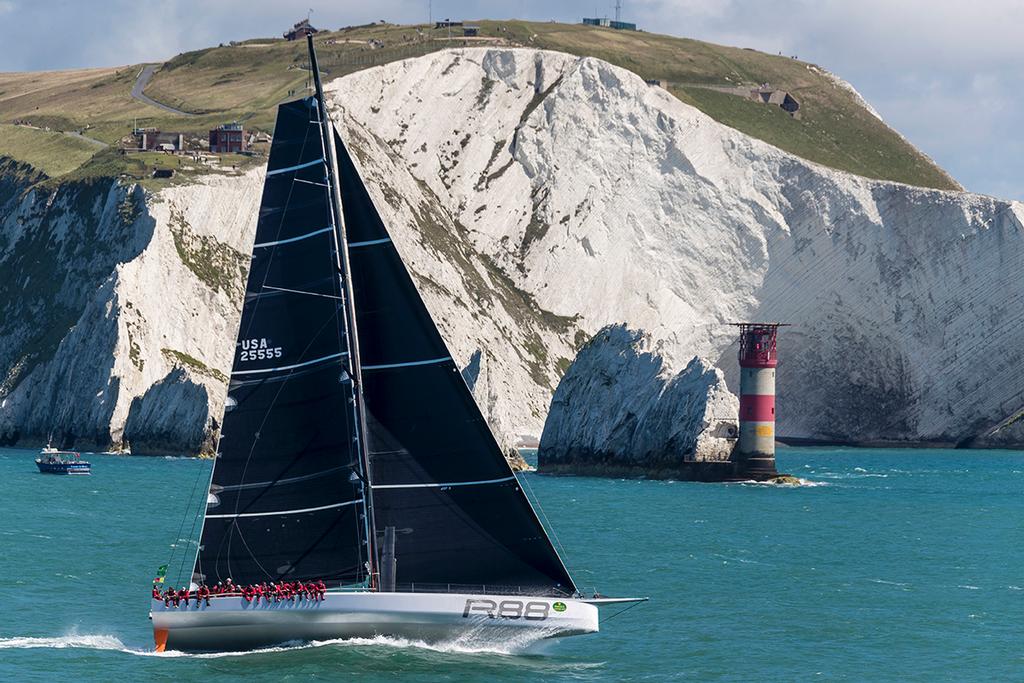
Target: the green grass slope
pixel 245 82
pixel 55 154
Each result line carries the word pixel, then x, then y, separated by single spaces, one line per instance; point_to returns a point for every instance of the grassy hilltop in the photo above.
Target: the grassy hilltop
pixel 245 81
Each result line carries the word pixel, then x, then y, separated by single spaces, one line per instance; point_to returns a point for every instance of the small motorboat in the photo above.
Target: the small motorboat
pixel 53 461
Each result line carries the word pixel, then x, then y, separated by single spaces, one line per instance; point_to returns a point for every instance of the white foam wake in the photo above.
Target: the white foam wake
pixel 512 643
pixel 89 642
pixel 800 483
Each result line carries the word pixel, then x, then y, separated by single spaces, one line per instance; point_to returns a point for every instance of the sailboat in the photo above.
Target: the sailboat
pixel 352 450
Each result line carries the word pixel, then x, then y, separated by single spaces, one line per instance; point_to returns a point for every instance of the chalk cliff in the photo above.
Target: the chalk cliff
pixel 536 197
pixel 620 411
pixel 120 310
pixel 606 200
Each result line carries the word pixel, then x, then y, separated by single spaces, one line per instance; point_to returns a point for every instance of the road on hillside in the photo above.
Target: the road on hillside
pixel 140 84
pixel 91 141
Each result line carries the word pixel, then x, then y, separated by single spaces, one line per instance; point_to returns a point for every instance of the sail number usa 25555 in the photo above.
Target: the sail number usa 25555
pixel 259 349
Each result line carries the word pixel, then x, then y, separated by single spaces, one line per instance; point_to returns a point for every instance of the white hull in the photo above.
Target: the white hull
pixel 230 623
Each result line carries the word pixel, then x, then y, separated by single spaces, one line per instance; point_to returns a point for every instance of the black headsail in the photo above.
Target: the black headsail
pixel 438 475
pixel 287 498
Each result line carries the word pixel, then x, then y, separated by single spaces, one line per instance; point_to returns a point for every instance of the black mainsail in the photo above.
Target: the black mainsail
pixel 439 477
pixel 286 499
pixel 346 414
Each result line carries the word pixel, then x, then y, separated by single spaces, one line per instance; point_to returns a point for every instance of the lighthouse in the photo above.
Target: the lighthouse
pixel 755 452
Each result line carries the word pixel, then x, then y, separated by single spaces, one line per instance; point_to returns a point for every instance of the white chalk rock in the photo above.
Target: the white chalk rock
pixel 620 410
pixel 536 197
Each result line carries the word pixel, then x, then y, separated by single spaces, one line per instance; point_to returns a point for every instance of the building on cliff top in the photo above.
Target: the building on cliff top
pixel 152 138
pixel 228 138
pixel 299 30
pixel 783 99
pixel 610 23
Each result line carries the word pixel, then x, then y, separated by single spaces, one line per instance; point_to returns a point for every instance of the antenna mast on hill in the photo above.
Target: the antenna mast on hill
pixel 618 10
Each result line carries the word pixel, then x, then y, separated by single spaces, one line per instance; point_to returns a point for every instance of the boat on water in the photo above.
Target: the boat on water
pixel 352 450
pixel 53 461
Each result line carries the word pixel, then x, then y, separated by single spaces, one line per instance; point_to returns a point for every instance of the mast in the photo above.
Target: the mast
pixel 352 338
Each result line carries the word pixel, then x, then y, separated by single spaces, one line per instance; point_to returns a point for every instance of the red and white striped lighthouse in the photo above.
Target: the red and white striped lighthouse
pixel 756 447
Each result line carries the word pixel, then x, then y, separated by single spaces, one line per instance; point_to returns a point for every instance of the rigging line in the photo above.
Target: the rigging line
pixel 388 366
pixel 369 243
pixel 277 482
pixel 293 366
pixel 247 549
pixel 340 258
pixel 547 522
pixel 289 240
pixel 622 611
pixel 197 565
pixel 200 515
pixel 296 167
pixel 299 291
pixel 277 513
pixel 443 485
pixel 181 527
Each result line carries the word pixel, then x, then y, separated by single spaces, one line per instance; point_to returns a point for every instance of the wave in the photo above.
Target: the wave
pixel 510 644
pixel 89 642
pixel 800 483
pixel 855 474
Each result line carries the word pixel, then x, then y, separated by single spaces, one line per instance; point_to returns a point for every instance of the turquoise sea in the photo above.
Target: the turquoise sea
pixel 888 565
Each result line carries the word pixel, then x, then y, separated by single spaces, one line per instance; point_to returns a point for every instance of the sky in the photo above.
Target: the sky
pixel 947 74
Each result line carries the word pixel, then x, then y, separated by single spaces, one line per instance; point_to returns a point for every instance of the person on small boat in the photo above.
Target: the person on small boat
pixel 204 594
pixel 185 594
pixel 156 591
pixel 321 590
pixel 229 588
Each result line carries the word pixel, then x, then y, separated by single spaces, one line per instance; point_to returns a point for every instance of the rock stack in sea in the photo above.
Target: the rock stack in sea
pixel 620 410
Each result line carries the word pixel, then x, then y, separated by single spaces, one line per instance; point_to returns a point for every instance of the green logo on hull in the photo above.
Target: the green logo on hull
pixel 559 606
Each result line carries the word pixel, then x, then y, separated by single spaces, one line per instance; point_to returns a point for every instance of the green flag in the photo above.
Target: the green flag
pixel 161 570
